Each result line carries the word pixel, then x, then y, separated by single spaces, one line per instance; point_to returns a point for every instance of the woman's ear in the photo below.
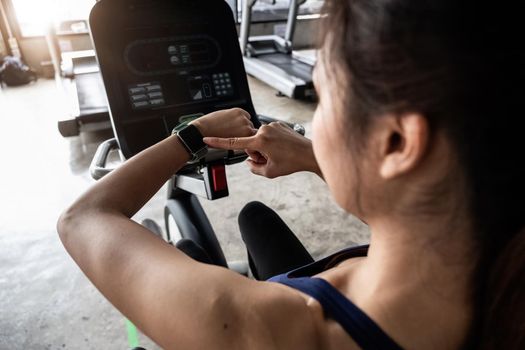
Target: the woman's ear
pixel 403 144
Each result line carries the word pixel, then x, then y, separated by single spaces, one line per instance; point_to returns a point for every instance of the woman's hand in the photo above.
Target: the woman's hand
pixel 275 150
pixel 233 122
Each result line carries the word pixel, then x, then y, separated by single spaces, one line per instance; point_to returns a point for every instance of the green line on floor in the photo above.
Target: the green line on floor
pixel 133 337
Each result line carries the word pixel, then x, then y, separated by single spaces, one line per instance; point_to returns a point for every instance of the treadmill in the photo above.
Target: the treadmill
pixel 271 58
pixel 86 94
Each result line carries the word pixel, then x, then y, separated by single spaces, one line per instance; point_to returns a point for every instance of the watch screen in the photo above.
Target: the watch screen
pixel 192 138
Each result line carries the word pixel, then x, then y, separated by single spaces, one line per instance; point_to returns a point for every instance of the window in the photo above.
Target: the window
pixel 34 16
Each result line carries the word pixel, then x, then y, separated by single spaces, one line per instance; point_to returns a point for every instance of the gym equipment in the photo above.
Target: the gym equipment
pixel 88 100
pixel 271 58
pixel 161 62
pixel 86 94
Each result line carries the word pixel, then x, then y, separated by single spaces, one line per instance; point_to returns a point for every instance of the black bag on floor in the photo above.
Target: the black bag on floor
pixel 13 72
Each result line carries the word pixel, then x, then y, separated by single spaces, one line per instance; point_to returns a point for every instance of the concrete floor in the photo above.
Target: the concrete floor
pixel 45 301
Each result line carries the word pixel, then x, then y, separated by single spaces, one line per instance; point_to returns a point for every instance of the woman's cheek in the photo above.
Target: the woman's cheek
pixel 332 160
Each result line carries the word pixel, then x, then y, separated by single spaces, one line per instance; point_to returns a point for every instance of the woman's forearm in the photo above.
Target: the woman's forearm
pixel 130 186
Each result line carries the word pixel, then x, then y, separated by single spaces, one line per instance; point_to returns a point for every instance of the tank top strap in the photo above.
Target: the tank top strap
pixel 363 330
pixel 326 263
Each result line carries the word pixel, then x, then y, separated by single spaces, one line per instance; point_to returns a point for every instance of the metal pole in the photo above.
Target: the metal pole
pixel 247 7
pixel 292 19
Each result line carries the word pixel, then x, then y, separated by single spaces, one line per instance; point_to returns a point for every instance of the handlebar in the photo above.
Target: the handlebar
pixel 98 167
pixel 298 128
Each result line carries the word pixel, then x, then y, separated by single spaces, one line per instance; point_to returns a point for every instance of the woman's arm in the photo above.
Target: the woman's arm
pixel 128 188
pixel 175 300
pixel 276 150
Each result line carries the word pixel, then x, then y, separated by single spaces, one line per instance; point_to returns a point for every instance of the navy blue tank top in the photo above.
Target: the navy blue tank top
pixel 363 330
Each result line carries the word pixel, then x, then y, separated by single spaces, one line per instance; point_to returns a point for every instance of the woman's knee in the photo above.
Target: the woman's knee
pixel 251 212
pixel 253 217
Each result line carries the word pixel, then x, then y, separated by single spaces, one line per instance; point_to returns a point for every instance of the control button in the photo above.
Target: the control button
pixel 136 90
pixel 221 81
pixel 136 98
pixel 184 49
pixel 153 88
pixel 157 102
pixel 207 90
pixel 229 86
pixel 156 94
pixel 227 75
pixel 219 178
pixel 219 93
pixel 140 104
pixel 186 59
pixel 175 60
pixel 173 50
pixel 215 76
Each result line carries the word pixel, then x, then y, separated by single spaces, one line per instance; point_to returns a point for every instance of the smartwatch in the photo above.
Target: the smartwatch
pixel 191 139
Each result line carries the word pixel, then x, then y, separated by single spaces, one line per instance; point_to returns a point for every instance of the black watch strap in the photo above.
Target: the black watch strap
pixel 191 138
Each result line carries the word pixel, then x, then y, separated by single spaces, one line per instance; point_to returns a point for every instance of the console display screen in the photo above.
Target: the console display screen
pixel 175 71
pixel 164 60
pixel 169 55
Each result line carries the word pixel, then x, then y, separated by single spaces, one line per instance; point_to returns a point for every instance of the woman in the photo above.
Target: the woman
pixel 417 132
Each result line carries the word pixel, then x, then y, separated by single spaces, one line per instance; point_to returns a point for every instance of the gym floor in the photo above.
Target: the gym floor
pixel 45 300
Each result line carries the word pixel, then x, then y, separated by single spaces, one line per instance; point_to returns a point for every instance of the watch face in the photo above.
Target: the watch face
pixel 192 138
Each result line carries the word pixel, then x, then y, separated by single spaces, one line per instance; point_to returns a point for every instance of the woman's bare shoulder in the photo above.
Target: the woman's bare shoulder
pixel 293 319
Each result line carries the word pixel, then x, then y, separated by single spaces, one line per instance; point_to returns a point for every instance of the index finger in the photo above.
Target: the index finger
pixel 232 143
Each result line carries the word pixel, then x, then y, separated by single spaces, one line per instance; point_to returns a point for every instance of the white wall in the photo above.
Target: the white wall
pixel 35 49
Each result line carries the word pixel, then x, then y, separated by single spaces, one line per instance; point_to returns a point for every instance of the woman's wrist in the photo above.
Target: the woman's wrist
pixel 180 151
pixel 312 164
pixel 314 167
pixel 317 170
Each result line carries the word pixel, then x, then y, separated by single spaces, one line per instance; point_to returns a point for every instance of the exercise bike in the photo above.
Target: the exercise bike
pixel 164 62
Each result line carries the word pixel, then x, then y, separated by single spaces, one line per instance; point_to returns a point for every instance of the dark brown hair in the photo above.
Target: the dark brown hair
pixel 461 64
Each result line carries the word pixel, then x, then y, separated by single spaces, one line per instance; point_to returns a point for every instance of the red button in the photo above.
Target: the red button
pixel 219 178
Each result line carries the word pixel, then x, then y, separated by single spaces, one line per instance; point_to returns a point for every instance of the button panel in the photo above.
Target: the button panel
pixel 146 95
pixel 156 94
pixel 222 84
